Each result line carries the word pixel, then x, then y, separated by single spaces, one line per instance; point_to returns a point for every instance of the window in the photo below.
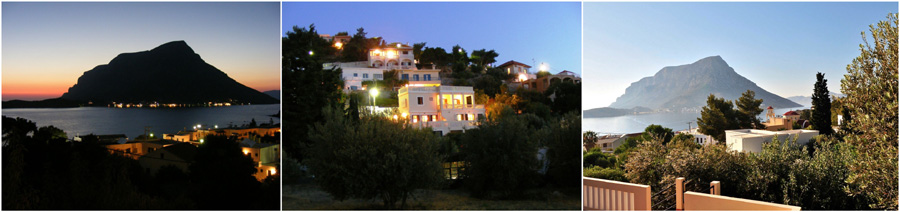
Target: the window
pixel 427 77
pixel 353 88
pixel 404 76
pixel 480 116
pixel 415 118
pixel 415 77
pixel 365 76
pixel 468 100
pixel 420 100
pixel 405 52
pixel 355 75
pixel 378 76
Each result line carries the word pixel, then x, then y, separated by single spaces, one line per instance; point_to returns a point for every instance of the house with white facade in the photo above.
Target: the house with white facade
pixel 443 108
pixel 394 56
pixel 751 140
pixel 520 70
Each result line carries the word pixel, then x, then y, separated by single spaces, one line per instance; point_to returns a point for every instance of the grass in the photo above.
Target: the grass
pixel 309 197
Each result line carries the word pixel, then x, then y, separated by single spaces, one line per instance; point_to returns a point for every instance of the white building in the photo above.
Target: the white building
pixel 443 108
pixel 699 138
pixel 750 140
pixel 393 56
pixel 520 70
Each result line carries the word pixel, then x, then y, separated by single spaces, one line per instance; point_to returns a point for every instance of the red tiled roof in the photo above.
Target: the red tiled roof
pixel 791 113
pixel 770 107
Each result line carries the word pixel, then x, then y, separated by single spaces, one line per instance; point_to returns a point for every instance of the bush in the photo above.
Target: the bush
pixel 501 157
pixel 605 173
pixel 563 138
pixel 374 158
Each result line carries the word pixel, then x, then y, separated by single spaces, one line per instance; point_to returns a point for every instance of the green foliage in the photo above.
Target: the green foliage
pixel 871 89
pixel 821 109
pixel 567 97
pixel 434 56
pixel 605 173
pixel 589 137
pixel 719 115
pixel 501 157
pixel 481 58
pixel 600 159
pixel 374 158
pixel 658 132
pixel 307 86
pixel 748 108
pixel 541 74
pixel 561 137
pixel 488 84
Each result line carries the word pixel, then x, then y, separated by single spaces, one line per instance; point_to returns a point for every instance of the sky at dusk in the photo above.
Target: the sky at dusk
pixel 47 46
pixel 528 32
pixel 779 46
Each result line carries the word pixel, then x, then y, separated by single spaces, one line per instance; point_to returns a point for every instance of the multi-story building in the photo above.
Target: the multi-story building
pixel 750 140
pixel 392 56
pixel 520 70
pixel 266 156
pixel 443 108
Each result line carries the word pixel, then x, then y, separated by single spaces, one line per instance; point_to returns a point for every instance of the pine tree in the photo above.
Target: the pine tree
pixel 821 111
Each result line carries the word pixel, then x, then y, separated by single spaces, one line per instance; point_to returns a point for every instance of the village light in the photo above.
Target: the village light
pixel 217 126
pixel 151 135
pixel 201 140
pixel 543 67
pixel 310 52
pixel 338 45
pixel 374 93
pixel 522 77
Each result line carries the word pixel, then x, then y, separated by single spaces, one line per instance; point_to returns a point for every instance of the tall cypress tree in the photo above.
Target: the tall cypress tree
pixel 821 111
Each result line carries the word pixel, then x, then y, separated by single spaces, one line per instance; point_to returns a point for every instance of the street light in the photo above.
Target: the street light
pixel 543 67
pixel 374 93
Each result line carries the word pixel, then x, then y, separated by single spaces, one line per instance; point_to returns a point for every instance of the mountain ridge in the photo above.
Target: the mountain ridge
pixel 689 85
pixel 169 73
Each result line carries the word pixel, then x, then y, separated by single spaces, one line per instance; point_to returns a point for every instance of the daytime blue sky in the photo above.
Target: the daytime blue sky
pixel 780 46
pixel 520 31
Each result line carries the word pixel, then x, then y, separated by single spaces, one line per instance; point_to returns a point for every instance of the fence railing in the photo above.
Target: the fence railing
pixel 602 194
pixel 701 201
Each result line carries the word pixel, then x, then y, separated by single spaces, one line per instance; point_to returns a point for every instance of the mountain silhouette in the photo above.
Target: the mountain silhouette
pixel 688 86
pixel 169 73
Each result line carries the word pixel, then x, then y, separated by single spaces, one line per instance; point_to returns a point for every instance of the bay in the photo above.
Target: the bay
pixel 636 123
pixel 131 121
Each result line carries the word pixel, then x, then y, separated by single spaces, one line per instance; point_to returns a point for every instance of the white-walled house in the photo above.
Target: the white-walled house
pixel 751 140
pixel 392 56
pixel 443 108
pixel 520 70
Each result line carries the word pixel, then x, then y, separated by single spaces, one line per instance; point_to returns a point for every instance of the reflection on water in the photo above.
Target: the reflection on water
pixel 131 121
pixel 637 123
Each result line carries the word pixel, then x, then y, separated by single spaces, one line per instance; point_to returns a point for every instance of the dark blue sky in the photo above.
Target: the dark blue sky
pixel 521 31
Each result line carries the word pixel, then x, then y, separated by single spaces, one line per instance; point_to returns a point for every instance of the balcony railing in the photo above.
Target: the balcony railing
pixel 462 106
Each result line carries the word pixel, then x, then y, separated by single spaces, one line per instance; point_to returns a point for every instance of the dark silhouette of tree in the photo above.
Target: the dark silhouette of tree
pixel 222 175
pixel 821 108
pixel 565 97
pixel 308 87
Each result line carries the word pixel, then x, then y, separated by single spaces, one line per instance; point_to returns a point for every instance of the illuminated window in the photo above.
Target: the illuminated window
pixel 415 118
pixel 470 117
pixel 424 118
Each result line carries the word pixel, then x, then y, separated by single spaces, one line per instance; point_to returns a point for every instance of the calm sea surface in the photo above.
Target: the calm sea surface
pixel 637 123
pixel 131 121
